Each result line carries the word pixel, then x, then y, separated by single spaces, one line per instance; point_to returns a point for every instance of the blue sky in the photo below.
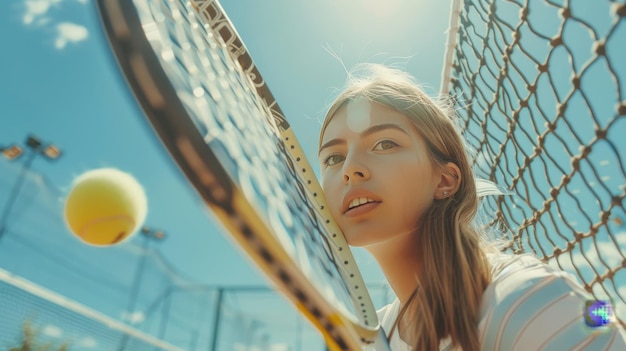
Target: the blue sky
pixel 61 83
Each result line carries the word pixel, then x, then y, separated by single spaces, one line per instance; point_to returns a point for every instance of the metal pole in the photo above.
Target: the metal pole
pixel 138 275
pixel 15 192
pixel 216 319
pixel 50 152
pixel 298 332
pixel 135 289
pixel 167 303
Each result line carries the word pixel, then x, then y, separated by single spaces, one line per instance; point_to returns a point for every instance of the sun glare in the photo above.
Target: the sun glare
pixel 381 9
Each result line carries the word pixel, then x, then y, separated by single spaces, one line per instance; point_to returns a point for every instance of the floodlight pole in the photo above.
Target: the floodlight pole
pixel 298 332
pixel 217 318
pixel 148 234
pixel 165 312
pixel 14 193
pixel 51 152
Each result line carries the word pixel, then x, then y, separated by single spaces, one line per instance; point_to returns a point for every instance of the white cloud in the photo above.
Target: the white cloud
pixel 37 13
pixel 87 342
pixel 52 331
pixel 134 318
pixel 37 10
pixel 610 254
pixel 608 250
pixel 69 33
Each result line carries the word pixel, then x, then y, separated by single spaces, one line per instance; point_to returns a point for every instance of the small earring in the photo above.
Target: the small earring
pixel 445 194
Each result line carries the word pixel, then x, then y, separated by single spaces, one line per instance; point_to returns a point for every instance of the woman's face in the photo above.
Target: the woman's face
pixel 376 173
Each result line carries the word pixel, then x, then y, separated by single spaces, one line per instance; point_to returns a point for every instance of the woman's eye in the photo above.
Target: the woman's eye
pixel 385 145
pixel 333 160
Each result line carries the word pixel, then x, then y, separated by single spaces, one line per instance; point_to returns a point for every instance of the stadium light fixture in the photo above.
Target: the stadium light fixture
pixel 37 148
pixel 12 152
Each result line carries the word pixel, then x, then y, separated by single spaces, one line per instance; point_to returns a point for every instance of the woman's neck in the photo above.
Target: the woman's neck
pixel 400 261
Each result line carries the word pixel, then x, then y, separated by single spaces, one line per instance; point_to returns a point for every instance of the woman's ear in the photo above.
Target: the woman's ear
pixel 449 182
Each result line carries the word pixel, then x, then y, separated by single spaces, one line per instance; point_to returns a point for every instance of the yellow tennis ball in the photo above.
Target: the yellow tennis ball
pixel 105 206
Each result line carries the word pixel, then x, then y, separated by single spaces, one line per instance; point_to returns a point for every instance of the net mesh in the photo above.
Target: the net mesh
pixel 131 285
pixel 540 84
pixel 261 185
pixel 32 315
pixel 75 293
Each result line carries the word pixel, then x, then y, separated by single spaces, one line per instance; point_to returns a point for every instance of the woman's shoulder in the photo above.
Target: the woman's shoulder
pixel 531 305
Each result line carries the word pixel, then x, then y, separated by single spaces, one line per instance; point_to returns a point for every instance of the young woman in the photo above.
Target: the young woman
pixel 398 181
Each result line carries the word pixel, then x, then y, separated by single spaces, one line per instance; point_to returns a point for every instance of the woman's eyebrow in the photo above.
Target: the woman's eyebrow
pixel 379 127
pixel 371 130
pixel 332 142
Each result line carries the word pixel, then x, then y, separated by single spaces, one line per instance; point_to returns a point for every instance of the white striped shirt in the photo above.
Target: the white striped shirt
pixel 528 306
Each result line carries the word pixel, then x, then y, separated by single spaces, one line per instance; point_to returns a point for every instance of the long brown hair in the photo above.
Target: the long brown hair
pixel 455 270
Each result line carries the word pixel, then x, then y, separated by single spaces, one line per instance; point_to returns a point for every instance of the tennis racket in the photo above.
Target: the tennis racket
pixel 206 100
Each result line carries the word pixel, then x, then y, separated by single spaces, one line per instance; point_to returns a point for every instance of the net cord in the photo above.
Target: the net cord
pixel 48 295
